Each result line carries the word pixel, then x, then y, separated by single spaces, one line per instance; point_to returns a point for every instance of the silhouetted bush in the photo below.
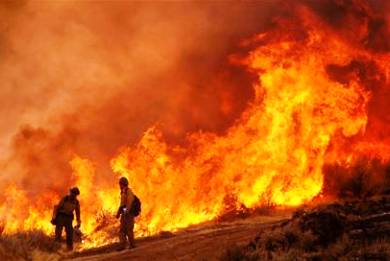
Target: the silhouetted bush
pixel 365 178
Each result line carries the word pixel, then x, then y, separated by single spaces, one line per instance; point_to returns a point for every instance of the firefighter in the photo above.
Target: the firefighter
pixel 63 216
pixel 126 233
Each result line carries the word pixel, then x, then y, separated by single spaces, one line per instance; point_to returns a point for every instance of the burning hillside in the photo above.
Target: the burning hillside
pixel 315 110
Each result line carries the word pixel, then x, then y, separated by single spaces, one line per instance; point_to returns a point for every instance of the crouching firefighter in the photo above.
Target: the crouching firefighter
pixel 130 207
pixel 63 216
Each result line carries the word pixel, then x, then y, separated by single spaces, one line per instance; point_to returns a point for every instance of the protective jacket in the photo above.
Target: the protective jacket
pixel 67 206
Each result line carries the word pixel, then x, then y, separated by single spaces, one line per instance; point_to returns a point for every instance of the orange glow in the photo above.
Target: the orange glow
pixel 273 154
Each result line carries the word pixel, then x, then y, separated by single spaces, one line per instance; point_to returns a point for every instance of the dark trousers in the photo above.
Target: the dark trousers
pixel 126 234
pixel 65 221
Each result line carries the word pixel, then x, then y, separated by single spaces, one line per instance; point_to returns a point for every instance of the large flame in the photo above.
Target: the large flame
pixel 273 154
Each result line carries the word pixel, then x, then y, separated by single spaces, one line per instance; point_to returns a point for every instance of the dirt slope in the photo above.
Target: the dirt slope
pixel 204 242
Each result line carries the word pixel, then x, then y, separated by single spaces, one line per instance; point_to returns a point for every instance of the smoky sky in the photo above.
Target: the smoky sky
pixel 89 77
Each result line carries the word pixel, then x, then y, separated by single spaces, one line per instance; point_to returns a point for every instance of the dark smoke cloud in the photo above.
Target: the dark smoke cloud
pixel 361 21
pixel 366 25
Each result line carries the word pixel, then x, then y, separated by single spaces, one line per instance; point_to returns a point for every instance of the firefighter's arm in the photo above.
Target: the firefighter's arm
pixel 120 209
pixel 78 214
pixel 55 211
pixel 57 207
pixel 118 213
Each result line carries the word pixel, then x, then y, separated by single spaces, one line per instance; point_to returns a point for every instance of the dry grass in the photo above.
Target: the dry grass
pixel 276 248
pixel 33 245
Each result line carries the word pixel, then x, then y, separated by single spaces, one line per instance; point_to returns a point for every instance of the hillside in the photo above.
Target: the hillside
pixel 348 230
pixel 203 242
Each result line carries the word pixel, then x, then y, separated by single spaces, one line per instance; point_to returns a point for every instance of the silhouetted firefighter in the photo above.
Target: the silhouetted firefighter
pixel 63 216
pixel 130 207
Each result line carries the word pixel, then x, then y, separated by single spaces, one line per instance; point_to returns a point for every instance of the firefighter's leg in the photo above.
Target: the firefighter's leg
pixel 123 232
pixel 58 232
pixel 69 233
pixel 59 227
pixel 130 232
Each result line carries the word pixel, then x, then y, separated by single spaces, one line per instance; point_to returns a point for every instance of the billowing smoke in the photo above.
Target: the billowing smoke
pixel 87 78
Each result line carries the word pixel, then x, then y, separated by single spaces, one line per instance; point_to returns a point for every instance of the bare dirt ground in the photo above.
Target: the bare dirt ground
pixel 202 242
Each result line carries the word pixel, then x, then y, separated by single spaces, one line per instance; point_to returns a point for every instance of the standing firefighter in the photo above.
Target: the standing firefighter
pixel 126 233
pixel 63 216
